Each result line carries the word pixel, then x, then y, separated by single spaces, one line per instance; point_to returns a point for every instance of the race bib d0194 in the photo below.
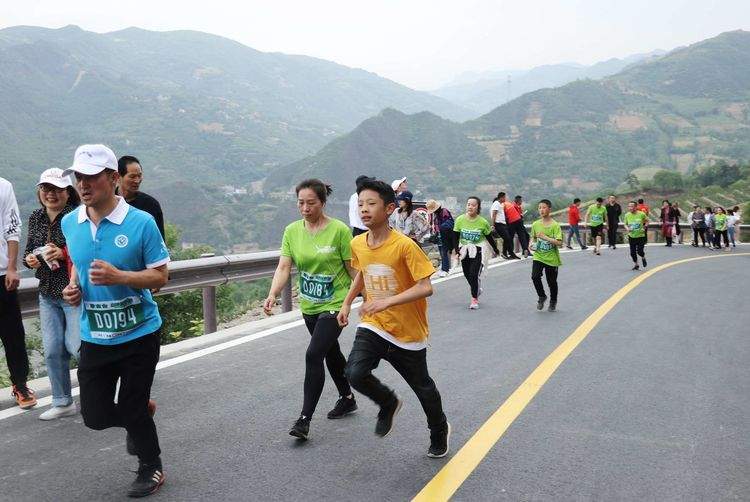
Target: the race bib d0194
pixel 112 318
pixel 316 288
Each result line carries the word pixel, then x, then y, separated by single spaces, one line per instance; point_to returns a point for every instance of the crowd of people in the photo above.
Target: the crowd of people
pixel 96 244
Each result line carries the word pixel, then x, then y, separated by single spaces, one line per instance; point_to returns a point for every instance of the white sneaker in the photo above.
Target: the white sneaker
pixel 474 305
pixel 59 412
pixel 442 273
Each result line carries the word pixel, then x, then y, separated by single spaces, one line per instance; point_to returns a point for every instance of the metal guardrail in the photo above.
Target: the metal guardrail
pixel 185 275
pixel 209 272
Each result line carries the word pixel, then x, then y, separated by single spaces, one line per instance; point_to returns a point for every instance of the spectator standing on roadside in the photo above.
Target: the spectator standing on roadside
pixel 47 254
pixel 574 217
pixel 614 210
pixel 677 215
pixel 738 214
pixel 518 202
pixel 732 220
pixel 399 185
pixel 441 221
pixel 710 225
pixel 497 217
pixel 131 177
pixel 12 333
pixel 667 221
pixel 355 221
pixel 697 220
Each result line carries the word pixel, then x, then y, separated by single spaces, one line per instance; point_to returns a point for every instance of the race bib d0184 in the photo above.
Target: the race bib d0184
pixel 316 288
pixel 113 318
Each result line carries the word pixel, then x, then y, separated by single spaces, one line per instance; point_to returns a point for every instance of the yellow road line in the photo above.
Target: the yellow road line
pixel 454 473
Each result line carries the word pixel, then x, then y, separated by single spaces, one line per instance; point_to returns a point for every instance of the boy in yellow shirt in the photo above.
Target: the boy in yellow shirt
pixel 395 275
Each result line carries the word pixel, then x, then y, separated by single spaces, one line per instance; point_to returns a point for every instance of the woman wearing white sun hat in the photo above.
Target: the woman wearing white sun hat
pixel 46 253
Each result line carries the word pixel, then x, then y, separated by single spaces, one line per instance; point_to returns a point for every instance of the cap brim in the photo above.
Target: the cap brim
pixel 86 169
pixel 55 182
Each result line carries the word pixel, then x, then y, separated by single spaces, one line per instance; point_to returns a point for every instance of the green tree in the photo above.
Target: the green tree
pixel 668 180
pixel 632 181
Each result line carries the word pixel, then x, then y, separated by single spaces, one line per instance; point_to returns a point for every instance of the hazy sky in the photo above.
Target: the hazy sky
pixel 420 43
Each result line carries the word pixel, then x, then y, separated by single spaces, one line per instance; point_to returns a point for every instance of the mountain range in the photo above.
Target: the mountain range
pixel 188 104
pixel 681 110
pixel 483 91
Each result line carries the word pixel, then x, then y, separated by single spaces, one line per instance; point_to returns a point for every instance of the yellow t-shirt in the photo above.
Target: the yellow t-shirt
pixel 389 269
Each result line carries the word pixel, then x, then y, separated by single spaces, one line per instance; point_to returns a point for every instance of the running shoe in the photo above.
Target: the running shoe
pixel 569 247
pixel 636 267
pixel 540 303
pixel 25 397
pixel 552 306
pixel 129 444
pixel 442 273
pixel 385 417
pixel 515 257
pixel 59 412
pixel 643 259
pixel 440 442
pixel 344 406
pixel 149 479
pixel 474 305
pixel 584 247
pixel 301 428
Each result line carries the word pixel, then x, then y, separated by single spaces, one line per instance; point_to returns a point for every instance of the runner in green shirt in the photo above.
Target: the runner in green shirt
pixel 595 219
pixel 636 223
pixel 546 235
pixel 319 248
pixel 472 230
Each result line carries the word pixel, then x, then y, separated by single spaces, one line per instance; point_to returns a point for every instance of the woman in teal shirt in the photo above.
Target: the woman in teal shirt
pixel 318 246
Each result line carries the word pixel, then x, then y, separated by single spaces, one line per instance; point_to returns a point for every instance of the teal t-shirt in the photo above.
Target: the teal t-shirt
pixel 472 231
pixel 721 222
pixel 319 258
pixel 637 224
pixel 546 252
pixel 597 215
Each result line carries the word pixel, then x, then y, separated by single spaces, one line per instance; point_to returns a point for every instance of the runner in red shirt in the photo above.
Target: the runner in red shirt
pixel 574 217
pixel 514 220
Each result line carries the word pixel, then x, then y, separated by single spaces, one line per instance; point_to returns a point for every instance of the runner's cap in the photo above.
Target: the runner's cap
pixel 54 176
pixel 405 195
pixel 91 160
pixel 395 183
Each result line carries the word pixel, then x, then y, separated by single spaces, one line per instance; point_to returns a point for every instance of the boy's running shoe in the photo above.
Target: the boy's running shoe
pixel 643 259
pixel 149 479
pixel 440 442
pixel 344 406
pixel 552 306
pixel 301 428
pixel 540 303
pixel 636 267
pixel 385 417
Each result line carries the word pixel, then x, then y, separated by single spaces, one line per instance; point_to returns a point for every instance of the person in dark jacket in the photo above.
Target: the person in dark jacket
pixel 131 177
pixel 613 220
pixel 668 218
pixel 442 226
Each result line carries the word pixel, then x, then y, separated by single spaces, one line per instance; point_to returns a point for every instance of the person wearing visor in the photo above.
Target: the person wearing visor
pixel 399 185
pixel 118 256
pixel 47 254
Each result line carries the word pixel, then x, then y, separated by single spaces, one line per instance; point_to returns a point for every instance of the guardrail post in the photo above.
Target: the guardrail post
pixel 209 309
pixel 209 305
pixel 286 297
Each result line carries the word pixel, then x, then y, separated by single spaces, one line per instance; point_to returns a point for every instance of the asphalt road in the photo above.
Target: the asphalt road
pixel 653 405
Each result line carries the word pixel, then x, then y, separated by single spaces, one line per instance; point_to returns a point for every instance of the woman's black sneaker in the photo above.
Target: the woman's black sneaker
pixel 344 406
pixel 385 417
pixel 440 442
pixel 148 481
pixel 540 303
pixel 552 306
pixel 301 428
